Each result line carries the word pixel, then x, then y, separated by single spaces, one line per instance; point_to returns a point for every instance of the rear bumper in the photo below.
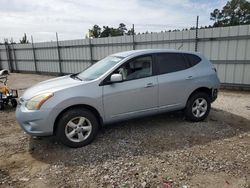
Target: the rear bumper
pixel 214 94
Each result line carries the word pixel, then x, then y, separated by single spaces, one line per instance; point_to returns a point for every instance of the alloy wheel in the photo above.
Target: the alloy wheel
pixel 78 129
pixel 199 107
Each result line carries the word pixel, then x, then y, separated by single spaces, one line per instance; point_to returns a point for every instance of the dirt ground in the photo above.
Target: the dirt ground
pixel 159 151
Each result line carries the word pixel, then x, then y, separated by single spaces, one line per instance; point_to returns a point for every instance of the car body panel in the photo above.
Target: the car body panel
pixel 51 85
pixel 173 88
pixel 82 94
pixel 129 98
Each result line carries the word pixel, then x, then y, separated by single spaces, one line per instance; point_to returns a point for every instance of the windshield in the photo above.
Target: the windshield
pixel 99 68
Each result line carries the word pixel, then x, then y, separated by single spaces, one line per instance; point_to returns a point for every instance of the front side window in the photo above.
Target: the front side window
pixel 171 62
pixel 99 68
pixel 139 67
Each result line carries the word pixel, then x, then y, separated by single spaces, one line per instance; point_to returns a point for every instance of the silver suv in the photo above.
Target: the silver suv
pixel 119 87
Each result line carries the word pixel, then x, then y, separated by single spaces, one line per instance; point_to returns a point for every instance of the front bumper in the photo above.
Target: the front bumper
pixel 35 123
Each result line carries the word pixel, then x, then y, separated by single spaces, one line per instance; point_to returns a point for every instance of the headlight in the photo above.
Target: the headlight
pixel 36 102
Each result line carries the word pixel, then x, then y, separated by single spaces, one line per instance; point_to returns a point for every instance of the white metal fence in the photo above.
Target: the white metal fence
pixel 227 47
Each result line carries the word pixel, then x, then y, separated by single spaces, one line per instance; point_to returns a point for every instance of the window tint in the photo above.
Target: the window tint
pixel 137 68
pixel 192 59
pixel 171 62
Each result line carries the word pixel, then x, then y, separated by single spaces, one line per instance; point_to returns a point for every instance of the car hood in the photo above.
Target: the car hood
pixel 51 85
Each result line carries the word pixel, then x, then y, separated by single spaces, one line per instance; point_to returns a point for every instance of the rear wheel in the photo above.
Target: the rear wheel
pixel 77 127
pixel 198 107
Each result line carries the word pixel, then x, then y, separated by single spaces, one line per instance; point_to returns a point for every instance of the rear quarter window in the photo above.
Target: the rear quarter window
pixel 192 59
pixel 171 62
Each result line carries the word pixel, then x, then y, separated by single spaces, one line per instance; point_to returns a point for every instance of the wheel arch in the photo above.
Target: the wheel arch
pixel 201 89
pixel 85 106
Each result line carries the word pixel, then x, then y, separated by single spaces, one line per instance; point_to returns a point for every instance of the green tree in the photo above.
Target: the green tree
pixel 24 40
pixel 106 31
pixel 131 32
pixel 116 32
pixel 235 12
pixel 95 32
pixel 122 29
pixel 216 15
pixel 112 32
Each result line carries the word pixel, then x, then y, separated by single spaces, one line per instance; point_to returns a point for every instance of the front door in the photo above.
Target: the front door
pixel 137 94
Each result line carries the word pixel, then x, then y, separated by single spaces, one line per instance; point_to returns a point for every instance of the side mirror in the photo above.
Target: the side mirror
pixel 116 78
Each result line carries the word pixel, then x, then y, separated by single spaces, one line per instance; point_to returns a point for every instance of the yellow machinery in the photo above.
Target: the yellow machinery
pixel 7 95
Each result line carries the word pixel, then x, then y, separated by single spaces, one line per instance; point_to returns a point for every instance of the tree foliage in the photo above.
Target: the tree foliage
pixel 235 12
pixel 95 31
pixel 24 40
pixel 106 31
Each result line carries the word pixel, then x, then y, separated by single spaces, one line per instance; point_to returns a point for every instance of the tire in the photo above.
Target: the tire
pixel 77 127
pixel 198 107
pixel 1 106
pixel 13 103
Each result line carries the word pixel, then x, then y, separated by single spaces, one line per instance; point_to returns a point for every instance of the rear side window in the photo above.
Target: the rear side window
pixel 171 62
pixel 192 59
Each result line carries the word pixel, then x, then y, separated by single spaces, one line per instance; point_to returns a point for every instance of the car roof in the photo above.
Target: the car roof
pixel 148 51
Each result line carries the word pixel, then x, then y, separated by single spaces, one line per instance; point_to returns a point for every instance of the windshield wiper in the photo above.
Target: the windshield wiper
pixel 75 76
pixel 78 78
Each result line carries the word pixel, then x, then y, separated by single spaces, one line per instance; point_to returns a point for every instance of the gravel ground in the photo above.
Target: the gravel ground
pixel 159 151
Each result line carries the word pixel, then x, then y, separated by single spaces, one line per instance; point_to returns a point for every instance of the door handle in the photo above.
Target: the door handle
pixel 149 85
pixel 189 78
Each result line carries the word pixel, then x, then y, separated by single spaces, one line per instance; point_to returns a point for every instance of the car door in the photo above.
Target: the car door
pixel 136 95
pixel 174 79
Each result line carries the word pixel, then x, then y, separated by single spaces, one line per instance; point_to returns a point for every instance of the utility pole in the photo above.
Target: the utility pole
pixel 196 33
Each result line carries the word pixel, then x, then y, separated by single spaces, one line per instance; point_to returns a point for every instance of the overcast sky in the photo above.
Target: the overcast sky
pixel 72 18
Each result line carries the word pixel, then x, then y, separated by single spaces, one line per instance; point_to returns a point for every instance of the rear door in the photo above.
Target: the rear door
pixel 174 79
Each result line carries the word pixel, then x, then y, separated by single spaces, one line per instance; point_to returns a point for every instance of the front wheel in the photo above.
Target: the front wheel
pixel 77 127
pixel 198 107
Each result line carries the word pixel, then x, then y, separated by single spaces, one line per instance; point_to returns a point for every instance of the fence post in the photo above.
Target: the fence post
pixel 0 59
pixel 91 52
pixel 14 55
pixel 34 54
pixel 196 34
pixel 59 55
pixel 8 57
pixel 133 36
